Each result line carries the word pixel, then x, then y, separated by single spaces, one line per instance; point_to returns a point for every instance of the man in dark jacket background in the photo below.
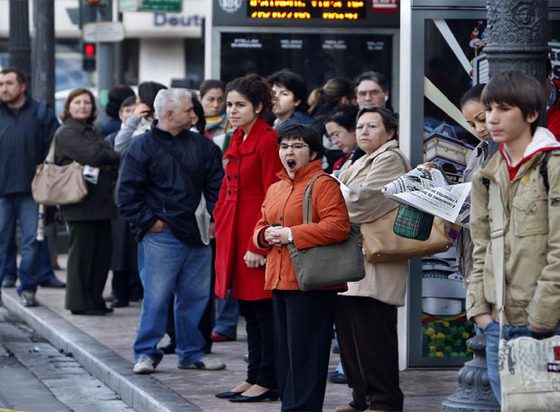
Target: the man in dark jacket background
pixel 26 130
pixel 163 175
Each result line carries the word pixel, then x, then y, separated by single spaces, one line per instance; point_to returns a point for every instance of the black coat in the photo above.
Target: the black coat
pixel 25 137
pixel 153 186
pixel 81 142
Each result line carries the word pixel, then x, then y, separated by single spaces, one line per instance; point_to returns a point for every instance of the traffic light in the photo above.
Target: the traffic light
pixel 88 57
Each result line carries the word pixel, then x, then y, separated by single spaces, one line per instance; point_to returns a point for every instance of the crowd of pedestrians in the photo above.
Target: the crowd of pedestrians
pixel 194 198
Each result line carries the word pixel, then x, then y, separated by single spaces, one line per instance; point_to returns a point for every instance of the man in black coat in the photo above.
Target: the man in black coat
pixel 26 131
pixel 164 173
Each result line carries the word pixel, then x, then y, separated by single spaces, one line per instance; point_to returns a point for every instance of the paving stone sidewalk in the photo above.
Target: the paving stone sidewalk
pixel 108 350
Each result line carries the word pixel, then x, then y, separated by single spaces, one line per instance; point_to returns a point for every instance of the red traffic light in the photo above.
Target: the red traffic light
pixel 93 2
pixel 89 49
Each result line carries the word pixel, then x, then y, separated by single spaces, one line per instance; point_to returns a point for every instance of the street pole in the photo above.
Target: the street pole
pixel 517 40
pixel 105 61
pixel 43 80
pixel 20 42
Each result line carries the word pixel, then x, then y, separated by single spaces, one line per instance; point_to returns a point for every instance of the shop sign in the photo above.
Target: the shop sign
pixel 151 5
pixel 104 32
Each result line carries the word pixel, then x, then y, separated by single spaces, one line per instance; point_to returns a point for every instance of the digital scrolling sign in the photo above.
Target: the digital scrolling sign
pixel 326 10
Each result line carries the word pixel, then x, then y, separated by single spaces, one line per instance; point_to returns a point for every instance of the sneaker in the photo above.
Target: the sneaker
pixel 9 282
pixel 28 299
pixel 144 365
pixel 207 363
pixel 337 377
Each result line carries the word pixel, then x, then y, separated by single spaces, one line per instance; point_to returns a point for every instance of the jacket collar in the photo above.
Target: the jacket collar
pixel 498 167
pixel 162 134
pixel 81 126
pixel 240 147
pixel 363 162
pixel 304 173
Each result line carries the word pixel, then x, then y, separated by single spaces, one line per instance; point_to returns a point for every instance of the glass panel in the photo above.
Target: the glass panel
pixel 339 54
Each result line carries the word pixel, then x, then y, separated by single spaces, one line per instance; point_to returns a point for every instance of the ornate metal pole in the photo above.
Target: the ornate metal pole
pixel 474 392
pixel 517 38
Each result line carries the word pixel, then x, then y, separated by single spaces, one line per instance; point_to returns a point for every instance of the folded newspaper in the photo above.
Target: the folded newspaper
pixel 427 189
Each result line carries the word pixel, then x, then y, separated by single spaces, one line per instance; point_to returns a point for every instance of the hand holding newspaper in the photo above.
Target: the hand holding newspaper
pixel 426 189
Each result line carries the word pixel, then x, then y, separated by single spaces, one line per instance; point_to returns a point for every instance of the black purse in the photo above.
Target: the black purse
pixel 322 266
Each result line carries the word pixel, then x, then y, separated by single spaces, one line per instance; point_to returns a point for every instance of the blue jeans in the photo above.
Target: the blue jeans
pixel 226 319
pixel 168 266
pixel 23 209
pixel 492 333
pixel 45 266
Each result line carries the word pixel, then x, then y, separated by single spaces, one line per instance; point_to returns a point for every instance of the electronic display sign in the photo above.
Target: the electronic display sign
pixel 337 10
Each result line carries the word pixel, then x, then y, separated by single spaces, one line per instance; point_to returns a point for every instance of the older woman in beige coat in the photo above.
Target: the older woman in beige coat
pixel 366 318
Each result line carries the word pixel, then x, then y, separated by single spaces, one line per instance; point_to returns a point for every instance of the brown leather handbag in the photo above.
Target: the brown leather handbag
pixel 383 245
pixel 58 185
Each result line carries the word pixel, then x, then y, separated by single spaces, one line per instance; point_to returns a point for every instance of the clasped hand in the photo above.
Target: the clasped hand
pixel 276 235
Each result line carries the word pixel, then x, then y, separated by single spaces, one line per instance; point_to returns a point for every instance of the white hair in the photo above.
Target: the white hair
pixel 168 100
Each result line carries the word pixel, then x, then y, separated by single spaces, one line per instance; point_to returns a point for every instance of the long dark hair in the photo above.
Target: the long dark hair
pixel 147 92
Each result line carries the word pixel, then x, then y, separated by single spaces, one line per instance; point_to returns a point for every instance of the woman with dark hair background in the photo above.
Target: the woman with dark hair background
pixel 251 164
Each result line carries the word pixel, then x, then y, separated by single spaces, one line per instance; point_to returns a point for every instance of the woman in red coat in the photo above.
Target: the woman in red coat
pixel 251 164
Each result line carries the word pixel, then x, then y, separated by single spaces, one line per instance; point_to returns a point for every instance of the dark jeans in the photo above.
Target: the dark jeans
pixel 260 341
pixel 367 334
pixel 303 323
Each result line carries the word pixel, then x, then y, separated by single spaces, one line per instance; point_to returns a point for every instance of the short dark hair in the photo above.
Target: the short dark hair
pixel 210 84
pixel 473 94
pixel 255 88
pixel 376 77
pixel 117 94
pixel 129 101
pixel 306 133
pixel 388 118
pixel 516 89
pixel 73 94
pixel 344 115
pixel 293 82
pixel 147 92
pixel 199 111
pixel 337 88
pixel 20 76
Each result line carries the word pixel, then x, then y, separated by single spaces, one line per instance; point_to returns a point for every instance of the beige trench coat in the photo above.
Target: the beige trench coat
pixel 385 282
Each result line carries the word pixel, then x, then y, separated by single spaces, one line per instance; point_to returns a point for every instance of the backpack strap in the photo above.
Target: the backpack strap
pixel 544 171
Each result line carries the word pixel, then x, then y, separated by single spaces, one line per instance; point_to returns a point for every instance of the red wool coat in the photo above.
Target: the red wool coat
pixel 250 168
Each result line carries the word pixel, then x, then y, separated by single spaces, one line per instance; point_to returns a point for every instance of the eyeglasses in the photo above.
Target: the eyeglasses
pixel 294 146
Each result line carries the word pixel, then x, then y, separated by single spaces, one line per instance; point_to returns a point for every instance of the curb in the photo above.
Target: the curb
pixel 141 392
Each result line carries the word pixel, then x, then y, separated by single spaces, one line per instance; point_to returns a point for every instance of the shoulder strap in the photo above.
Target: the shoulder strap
pixel 307 198
pixel 401 156
pixel 544 171
pixel 497 241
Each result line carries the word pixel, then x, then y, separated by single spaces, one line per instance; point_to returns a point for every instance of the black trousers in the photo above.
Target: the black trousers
pixel 303 323
pixel 367 335
pixel 260 341
pixel 89 259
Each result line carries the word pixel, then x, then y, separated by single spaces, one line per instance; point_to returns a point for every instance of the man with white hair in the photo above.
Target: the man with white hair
pixel 163 175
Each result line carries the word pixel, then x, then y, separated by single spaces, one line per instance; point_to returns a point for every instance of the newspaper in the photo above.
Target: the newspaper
pixel 427 189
